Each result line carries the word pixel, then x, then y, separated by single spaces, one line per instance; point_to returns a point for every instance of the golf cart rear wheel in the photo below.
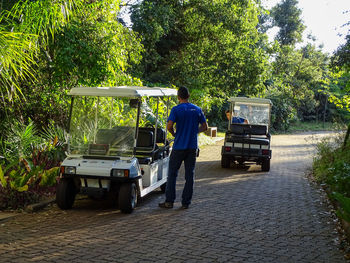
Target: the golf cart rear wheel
pixel 65 193
pixel 127 197
pixel 265 166
pixel 225 162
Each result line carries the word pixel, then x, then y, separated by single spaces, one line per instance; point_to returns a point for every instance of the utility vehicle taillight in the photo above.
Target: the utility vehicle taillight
pixel 265 152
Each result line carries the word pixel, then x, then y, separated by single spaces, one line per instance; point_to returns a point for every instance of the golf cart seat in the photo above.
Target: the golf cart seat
pixel 248 129
pixel 146 150
pixel 249 134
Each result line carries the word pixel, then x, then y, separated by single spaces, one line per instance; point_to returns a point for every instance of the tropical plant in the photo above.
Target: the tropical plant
pixel 25 29
pixel 19 141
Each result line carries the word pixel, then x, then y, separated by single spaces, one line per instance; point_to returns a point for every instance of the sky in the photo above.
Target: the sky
pixel 324 19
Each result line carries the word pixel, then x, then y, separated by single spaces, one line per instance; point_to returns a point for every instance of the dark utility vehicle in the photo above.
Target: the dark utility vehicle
pixel 247 138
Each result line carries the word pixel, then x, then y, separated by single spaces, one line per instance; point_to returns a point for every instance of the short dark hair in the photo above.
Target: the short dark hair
pixel 183 93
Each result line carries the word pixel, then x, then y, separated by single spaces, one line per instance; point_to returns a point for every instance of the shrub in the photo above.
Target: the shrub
pixel 331 167
pixel 31 165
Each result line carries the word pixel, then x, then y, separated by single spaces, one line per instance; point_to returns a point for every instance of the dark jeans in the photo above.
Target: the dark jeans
pixel 176 158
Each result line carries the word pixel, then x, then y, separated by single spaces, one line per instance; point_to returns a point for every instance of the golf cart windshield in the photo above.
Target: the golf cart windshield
pixel 102 126
pixel 252 112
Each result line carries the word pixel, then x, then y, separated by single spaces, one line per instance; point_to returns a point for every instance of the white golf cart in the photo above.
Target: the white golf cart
pixel 116 144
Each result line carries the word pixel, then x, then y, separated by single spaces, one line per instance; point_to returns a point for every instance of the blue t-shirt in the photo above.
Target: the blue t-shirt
pixel 187 117
pixel 237 120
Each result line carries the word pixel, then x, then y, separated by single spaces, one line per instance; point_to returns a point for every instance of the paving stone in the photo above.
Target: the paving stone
pixel 238 215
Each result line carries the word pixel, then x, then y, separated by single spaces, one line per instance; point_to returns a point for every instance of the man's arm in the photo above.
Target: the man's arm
pixel 170 127
pixel 203 127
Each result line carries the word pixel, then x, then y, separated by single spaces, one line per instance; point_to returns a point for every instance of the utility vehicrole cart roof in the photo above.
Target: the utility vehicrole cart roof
pixel 250 100
pixel 123 91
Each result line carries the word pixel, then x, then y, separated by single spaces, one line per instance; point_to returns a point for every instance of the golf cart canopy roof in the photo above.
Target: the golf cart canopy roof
pixel 250 100
pixel 123 91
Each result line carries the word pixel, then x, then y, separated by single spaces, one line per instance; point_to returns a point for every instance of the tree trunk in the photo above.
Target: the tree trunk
pixel 346 136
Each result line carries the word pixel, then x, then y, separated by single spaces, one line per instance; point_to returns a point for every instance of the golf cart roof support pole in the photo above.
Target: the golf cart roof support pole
pixel 70 113
pixel 96 115
pixel 156 126
pixel 270 109
pixel 232 106
pixel 111 117
pixel 166 120
pixel 137 125
pixel 69 120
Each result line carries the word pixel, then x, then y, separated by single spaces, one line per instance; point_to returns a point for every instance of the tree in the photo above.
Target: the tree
pixel 71 43
pixel 286 16
pixel 341 66
pixel 24 30
pixel 213 47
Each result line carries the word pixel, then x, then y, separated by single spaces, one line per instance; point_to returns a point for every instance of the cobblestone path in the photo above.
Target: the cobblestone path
pixel 238 215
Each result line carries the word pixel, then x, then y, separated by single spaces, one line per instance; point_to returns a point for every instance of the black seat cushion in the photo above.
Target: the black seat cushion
pixel 145 139
pixel 160 133
pixel 249 140
pixel 250 129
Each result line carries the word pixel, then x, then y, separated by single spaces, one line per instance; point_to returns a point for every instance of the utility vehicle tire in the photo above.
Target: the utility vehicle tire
pixel 65 193
pixel 265 166
pixel 225 162
pixel 241 162
pixel 163 187
pixel 127 199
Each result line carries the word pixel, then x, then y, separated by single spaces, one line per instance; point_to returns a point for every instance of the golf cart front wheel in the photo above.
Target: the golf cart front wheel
pixel 127 197
pixel 65 193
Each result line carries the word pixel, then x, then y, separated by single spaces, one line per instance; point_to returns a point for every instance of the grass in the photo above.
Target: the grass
pixel 315 126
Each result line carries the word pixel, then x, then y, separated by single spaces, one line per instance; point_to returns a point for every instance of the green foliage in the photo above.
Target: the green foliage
pixel 66 43
pixel 208 46
pixel 94 48
pixel 26 28
pixel 303 71
pixel 299 126
pixel 31 164
pixel 283 111
pixel 341 58
pixel 344 210
pixel 287 16
pixel 20 141
pixel 332 165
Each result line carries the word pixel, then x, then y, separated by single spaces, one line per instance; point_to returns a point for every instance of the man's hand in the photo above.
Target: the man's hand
pixel 203 127
pixel 170 127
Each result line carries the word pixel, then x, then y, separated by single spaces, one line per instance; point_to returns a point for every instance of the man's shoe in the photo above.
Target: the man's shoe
pixel 184 206
pixel 166 205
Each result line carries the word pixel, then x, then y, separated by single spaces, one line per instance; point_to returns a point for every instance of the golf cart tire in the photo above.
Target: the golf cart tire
pixel 163 187
pixel 225 162
pixel 265 166
pixel 127 198
pixel 65 194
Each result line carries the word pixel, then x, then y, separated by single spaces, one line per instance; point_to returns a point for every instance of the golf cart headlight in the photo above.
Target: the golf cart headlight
pixel 120 173
pixel 69 170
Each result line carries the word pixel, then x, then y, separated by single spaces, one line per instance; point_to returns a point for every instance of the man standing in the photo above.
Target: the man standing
pixel 190 121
